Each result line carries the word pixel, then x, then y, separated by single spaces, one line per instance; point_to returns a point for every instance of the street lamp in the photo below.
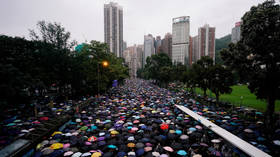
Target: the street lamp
pixel 104 64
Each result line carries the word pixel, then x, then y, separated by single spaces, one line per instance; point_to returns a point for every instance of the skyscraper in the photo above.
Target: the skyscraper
pixel 235 32
pixel 158 44
pixel 149 47
pixel 195 48
pixel 113 28
pixel 166 45
pixel 206 41
pixel 180 40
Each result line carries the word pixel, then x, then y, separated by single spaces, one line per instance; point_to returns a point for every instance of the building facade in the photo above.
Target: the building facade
pixel 180 40
pixel 206 41
pixel 149 47
pixel 166 45
pixel 133 57
pixel 158 44
pixel 195 54
pixel 236 32
pixel 113 28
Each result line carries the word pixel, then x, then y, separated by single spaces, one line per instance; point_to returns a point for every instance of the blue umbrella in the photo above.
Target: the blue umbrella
pixel 112 146
pixel 182 152
pixel 179 132
pixel 192 129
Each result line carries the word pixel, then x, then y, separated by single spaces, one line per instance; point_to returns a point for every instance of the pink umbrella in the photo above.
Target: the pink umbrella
pixel 147 149
pixel 67 145
pixel 198 127
pixel 167 148
pixel 134 129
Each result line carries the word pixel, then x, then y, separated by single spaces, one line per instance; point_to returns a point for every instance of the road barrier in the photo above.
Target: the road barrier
pixel 234 140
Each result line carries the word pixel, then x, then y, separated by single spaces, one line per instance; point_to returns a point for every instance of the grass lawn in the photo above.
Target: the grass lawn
pixel 249 99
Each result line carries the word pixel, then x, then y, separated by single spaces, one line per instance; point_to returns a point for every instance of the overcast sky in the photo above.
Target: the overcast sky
pixel 84 18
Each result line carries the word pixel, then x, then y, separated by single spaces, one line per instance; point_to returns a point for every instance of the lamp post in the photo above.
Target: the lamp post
pixel 104 64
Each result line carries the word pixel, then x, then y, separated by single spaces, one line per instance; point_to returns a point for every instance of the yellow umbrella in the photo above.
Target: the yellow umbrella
pixel 172 131
pixel 96 154
pixel 56 132
pixel 114 132
pixel 131 145
pixel 56 146
pixel 39 146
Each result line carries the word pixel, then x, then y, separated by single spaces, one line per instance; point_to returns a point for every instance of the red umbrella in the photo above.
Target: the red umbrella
pixel 164 126
pixel 44 118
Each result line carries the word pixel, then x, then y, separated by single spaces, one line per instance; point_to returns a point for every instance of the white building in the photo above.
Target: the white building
pixel 235 32
pixel 149 47
pixel 180 39
pixel 113 28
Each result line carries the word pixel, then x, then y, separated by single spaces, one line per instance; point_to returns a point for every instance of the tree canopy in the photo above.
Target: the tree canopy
pixel 257 55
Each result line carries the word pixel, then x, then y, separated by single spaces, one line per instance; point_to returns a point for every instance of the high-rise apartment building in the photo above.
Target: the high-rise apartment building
pixel 149 47
pixel 180 40
pixel 236 32
pixel 206 41
pixel 113 28
pixel 195 54
pixel 133 58
pixel 158 43
pixel 166 45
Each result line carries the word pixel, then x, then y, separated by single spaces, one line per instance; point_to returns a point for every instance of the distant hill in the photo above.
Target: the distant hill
pixel 220 44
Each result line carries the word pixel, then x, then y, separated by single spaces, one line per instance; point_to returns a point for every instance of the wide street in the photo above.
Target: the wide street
pixel 140 119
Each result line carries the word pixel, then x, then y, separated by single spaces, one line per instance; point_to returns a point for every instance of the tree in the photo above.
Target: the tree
pixel 256 56
pixel 153 65
pixel 202 72
pixel 93 74
pixel 221 79
pixel 177 72
pixel 52 33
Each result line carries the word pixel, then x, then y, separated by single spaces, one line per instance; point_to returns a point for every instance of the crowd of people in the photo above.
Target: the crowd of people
pixel 140 119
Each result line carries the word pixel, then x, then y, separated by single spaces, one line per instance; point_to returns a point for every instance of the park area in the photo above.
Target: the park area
pixel 235 98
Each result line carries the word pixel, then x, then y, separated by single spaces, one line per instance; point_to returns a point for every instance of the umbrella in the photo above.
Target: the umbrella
pixel 167 148
pixel 131 138
pixel 114 132
pixel 156 154
pixel 92 139
pixel 134 129
pixel 198 127
pixel 192 129
pixel 66 145
pixel 112 146
pixel 131 153
pixel 182 152
pixel 131 145
pixel 84 128
pixel 276 142
pixel 47 151
pixel 248 130
pixel 56 146
pixel 164 126
pixel 68 153
pixel 86 154
pixel 96 154
pixel 204 144
pixel 78 154
pixel 140 152
pixel 184 137
pixel 179 132
pixel 147 149
pixel 139 145
pixel 121 154
pixel 215 141
pixel 56 132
